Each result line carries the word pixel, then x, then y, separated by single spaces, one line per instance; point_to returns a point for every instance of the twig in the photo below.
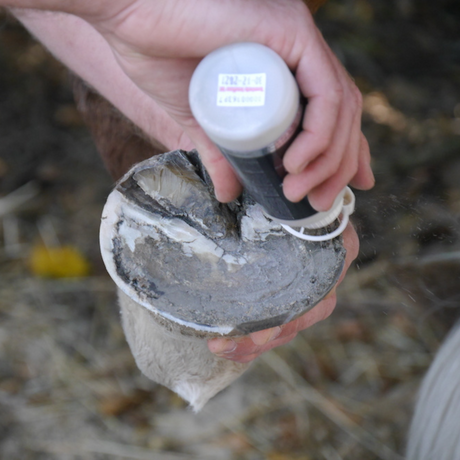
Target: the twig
pixel 316 399
pixel 48 232
pixel 15 199
pixel 109 448
pixel 433 258
pixel 11 242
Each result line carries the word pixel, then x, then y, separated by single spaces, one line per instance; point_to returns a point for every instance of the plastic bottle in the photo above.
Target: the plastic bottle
pixel 247 101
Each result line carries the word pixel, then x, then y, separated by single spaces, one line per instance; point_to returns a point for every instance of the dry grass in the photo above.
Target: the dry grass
pixel 344 389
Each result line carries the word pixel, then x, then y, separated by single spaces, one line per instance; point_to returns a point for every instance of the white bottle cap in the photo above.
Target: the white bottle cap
pixel 244 96
pixel 320 219
pixel 344 205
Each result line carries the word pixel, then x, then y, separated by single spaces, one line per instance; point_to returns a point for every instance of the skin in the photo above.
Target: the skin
pixel 140 55
pixel 247 348
pixel 159 44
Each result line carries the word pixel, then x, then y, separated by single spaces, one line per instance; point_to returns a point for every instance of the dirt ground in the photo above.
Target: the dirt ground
pixel 345 388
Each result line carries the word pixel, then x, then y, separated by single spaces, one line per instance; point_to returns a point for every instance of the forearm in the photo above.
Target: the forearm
pixel 90 7
pixel 85 52
pixel 83 8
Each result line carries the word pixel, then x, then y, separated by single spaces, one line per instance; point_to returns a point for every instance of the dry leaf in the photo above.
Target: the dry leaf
pixel 58 262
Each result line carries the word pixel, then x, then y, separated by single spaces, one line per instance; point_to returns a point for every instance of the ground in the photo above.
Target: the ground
pixel 345 388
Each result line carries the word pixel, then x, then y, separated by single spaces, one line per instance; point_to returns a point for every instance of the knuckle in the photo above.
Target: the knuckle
pixel 245 359
pixel 289 338
pixel 351 166
pixel 328 307
pixel 331 165
pixel 365 149
pixel 337 93
pixel 323 141
pixel 357 97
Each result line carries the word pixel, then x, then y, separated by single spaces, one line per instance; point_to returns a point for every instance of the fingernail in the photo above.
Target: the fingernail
pixel 371 173
pixel 218 196
pixel 276 333
pixel 218 346
pixel 265 336
pixel 224 197
pixel 331 293
pixel 302 167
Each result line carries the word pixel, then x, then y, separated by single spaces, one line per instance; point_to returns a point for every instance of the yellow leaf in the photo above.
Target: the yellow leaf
pixel 58 262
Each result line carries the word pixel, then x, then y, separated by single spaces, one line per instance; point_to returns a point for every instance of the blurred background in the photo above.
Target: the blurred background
pixel 345 388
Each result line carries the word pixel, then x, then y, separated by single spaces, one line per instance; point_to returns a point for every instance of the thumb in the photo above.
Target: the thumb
pixel 226 184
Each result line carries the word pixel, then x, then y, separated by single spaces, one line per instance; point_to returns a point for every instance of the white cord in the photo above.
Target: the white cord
pixel 348 206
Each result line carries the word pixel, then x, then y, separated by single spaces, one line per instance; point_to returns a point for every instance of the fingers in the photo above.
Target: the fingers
pixel 323 195
pixel 320 84
pixel 244 349
pixel 364 178
pixel 328 173
pixel 316 159
pixel 331 151
pixel 226 184
pixel 247 348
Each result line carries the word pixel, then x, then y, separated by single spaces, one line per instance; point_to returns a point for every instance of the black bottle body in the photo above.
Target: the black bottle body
pixel 261 172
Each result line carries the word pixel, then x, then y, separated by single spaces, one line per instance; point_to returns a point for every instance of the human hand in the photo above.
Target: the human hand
pixel 159 44
pixel 247 348
pixel 85 52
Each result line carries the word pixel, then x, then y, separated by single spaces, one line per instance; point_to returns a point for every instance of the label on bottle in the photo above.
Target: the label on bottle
pixel 241 90
pixel 261 172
